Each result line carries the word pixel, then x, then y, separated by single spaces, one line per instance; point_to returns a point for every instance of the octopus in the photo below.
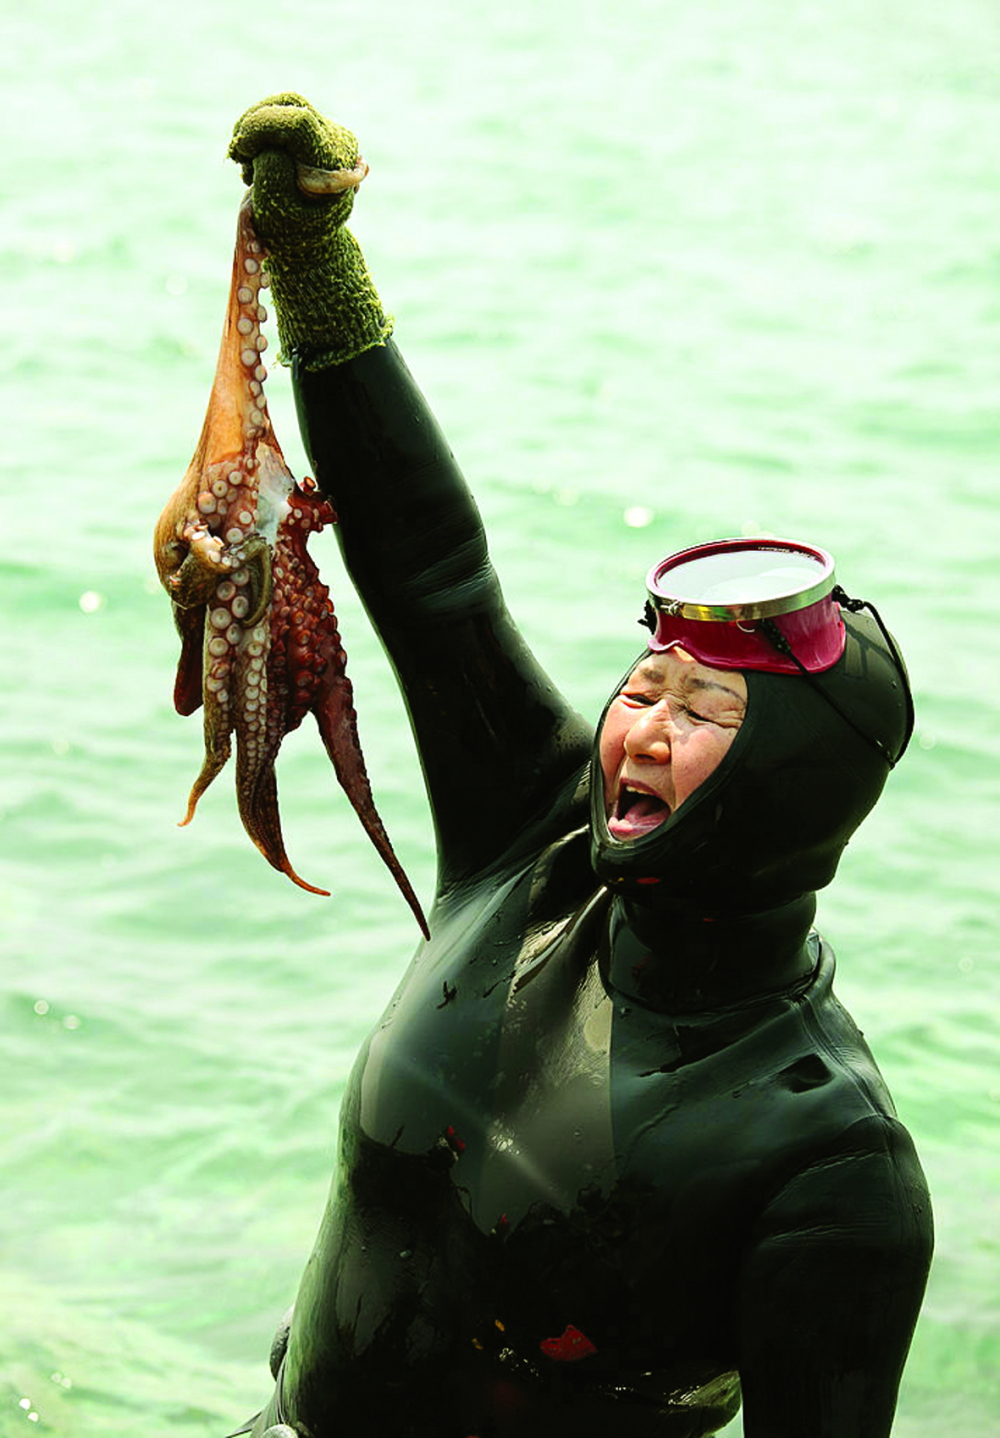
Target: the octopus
pixel 260 646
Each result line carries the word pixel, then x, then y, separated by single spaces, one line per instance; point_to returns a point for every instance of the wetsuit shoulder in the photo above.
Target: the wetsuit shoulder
pixel 496 738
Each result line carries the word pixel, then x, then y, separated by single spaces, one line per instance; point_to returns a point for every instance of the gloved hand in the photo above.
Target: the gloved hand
pixel 325 302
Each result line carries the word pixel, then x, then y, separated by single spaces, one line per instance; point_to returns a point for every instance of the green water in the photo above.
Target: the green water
pixel 666 272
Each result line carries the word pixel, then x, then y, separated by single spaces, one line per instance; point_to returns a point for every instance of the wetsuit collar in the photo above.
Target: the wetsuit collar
pixel 673 961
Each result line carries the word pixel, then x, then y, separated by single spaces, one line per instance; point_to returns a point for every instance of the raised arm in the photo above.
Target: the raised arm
pixel 497 742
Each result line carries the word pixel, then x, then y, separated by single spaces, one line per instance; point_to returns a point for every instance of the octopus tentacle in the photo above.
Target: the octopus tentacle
pixel 260 646
pixel 218 747
pixel 259 580
pixel 188 685
pixel 338 728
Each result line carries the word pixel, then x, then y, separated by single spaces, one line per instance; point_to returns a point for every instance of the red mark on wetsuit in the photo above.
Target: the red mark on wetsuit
pixel 454 1142
pixel 569 1348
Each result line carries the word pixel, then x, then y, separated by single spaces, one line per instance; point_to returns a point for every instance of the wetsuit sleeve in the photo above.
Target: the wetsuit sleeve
pixel 496 740
pixel 830 1291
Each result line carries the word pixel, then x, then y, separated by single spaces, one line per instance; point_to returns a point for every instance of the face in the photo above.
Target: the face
pixel 668 728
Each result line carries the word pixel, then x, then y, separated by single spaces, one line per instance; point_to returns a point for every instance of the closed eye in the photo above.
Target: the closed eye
pixel 637 699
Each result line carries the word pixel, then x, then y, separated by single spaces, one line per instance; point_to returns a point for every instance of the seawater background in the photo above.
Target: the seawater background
pixel 666 272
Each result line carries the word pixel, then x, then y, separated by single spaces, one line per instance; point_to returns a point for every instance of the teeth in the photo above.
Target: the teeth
pixel 626 799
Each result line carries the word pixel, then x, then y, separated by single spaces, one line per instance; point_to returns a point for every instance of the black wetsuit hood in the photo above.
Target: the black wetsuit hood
pixel 770 824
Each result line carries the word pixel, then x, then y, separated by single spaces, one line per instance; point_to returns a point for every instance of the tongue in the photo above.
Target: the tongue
pixel 644 814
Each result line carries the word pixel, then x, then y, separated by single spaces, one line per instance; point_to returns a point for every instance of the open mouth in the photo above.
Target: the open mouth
pixel 636 812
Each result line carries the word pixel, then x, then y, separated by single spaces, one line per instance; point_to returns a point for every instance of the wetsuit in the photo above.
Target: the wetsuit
pixel 605 1159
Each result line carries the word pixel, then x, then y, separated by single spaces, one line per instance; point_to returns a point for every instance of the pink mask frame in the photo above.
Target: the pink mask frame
pixel 745 603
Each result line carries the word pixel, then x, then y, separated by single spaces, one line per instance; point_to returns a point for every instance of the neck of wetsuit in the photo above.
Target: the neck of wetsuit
pixel 676 961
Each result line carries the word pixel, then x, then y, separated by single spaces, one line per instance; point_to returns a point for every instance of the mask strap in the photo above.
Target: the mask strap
pixel 780 643
pixel 854 605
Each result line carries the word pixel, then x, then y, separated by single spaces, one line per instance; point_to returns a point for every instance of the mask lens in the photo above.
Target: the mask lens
pixel 723 601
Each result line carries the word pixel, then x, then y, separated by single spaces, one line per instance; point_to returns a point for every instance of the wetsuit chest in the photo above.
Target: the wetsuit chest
pixel 496 1047
pixel 507 1051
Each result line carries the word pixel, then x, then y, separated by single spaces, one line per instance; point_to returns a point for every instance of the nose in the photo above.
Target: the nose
pixel 648 739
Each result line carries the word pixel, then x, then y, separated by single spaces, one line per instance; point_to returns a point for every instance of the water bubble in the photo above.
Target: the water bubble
pixel 91 601
pixel 41 1006
pixel 71 1022
pixel 638 516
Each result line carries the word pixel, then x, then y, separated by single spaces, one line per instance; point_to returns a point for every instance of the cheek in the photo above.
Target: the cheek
pixel 610 749
pixel 700 759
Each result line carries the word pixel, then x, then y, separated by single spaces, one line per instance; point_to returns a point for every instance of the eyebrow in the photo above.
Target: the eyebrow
pixel 697 683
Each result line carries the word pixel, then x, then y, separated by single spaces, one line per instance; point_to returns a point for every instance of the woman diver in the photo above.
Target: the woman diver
pixel 614 1156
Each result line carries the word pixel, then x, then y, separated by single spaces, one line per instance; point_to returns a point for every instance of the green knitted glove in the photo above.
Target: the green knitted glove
pixel 324 299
